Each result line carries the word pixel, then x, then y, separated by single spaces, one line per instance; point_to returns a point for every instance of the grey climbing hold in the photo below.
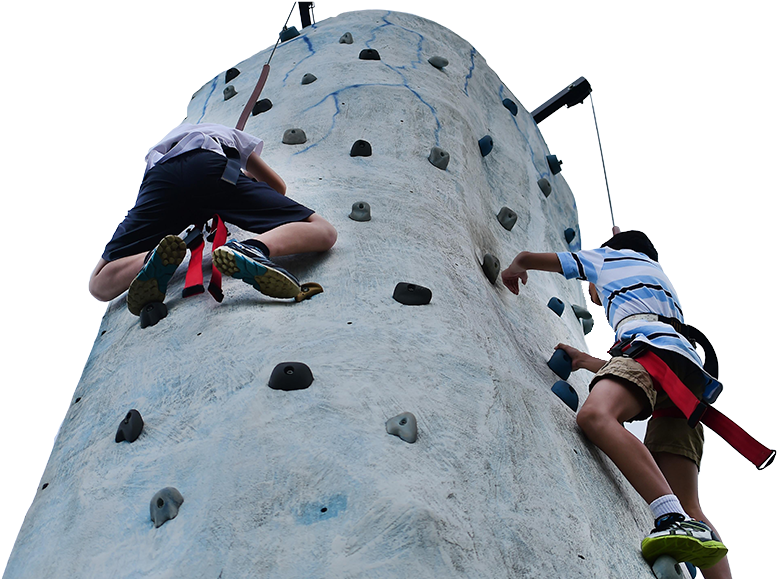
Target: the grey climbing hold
pixel 554 163
pixel 545 186
pixel 486 144
pixel 369 54
pixel 361 149
pixel 261 106
pixel 561 364
pixel 231 74
pixel 229 92
pixel 439 158
pixel 510 106
pixel 438 62
pixel 556 305
pixel 151 313
pixel 346 38
pixel 165 505
pixel 294 137
pixel 411 294
pixel 567 394
pixel 404 426
pixel 666 567
pixel 507 217
pixel 491 267
pixel 585 317
pixel 308 78
pixel 288 376
pixel 288 33
pixel 130 428
pixel 360 211
pixel 569 234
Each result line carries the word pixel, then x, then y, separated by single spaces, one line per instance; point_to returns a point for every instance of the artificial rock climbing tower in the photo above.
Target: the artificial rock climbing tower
pixel 309 483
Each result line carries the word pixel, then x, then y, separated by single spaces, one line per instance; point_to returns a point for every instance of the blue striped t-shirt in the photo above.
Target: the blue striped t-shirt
pixel 631 283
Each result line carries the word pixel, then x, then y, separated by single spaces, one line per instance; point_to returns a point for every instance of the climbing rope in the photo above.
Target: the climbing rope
pixel 609 199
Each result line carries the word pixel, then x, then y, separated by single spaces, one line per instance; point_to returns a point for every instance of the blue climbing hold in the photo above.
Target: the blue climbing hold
pixel 510 106
pixel 561 364
pixel 486 145
pixel 567 394
pixel 231 74
pixel 556 305
pixel 569 234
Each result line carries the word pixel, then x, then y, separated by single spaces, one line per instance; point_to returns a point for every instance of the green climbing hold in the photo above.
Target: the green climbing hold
pixel 545 186
pixel 360 211
pixel 229 92
pixel 294 137
pixel 507 217
pixel 404 425
pixel 346 38
pixel 439 158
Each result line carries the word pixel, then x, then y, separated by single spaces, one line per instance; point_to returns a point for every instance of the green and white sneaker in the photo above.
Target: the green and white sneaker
pixel 250 265
pixel 685 540
pixel 150 285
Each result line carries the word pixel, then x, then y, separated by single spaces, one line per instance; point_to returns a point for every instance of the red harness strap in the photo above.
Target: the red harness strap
pixel 194 277
pixel 690 406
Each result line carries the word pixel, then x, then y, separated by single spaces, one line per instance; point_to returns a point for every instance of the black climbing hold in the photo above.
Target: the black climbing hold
pixel 411 294
pixel 369 54
pixel 438 62
pixel 561 364
pixel 289 376
pixel 510 106
pixel 360 211
pixel 554 163
pixel 361 149
pixel 231 74
pixel 288 33
pixel 308 78
pixel 229 92
pixel 507 217
pixel 439 158
pixel 151 314
pixel 491 267
pixel 545 186
pixel 486 144
pixel 261 106
pixel 131 427
pixel 567 394
pixel 165 505
pixel 585 317
pixel 556 305
pixel 346 38
pixel 294 137
pixel 404 426
pixel 569 234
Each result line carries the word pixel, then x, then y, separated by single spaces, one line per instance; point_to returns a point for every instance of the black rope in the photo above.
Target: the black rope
pixel 277 42
pixel 609 199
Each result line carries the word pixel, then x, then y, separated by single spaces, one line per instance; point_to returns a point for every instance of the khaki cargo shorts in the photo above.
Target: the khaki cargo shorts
pixel 665 434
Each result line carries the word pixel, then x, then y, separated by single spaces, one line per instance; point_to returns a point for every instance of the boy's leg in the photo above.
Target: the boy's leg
pixel 111 278
pixel 312 234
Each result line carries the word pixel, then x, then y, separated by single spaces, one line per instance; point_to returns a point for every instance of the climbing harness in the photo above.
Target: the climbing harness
pixel 690 407
pixel 195 237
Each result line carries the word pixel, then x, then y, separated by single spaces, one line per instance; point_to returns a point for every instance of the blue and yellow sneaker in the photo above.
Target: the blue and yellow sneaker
pixel 150 285
pixel 685 540
pixel 249 264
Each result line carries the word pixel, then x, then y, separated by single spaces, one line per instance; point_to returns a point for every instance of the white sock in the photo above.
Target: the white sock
pixel 665 505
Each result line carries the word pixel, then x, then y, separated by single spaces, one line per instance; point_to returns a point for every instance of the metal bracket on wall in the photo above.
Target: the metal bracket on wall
pixel 572 95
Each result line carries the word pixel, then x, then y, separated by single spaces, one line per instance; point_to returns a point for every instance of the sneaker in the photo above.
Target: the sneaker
pixel 685 540
pixel 249 264
pixel 150 285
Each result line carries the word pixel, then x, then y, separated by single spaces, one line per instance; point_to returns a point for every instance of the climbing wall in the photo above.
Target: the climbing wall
pixel 268 482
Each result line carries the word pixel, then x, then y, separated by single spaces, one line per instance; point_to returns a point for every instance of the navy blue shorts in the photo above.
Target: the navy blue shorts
pixel 187 190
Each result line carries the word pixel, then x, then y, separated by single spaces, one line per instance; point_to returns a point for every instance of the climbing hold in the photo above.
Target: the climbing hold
pixel 439 158
pixel 585 317
pixel 346 38
pixel 289 376
pixel 561 364
pixel 369 54
pixel 486 144
pixel 165 505
pixel 545 186
pixel 288 33
pixel 666 567
pixel 491 267
pixel 569 234
pixel 151 313
pixel 307 78
pixel 361 149
pixel 308 290
pixel 294 137
pixel 404 426
pixel 229 92
pixel 567 394
pixel 261 106
pixel 411 294
pixel 507 217
pixel 360 211
pixel 556 305
pixel 554 164
pixel 131 427
pixel 438 62
pixel 231 74
pixel 510 106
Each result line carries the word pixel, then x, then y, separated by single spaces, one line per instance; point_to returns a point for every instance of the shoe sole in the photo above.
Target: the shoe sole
pixel 703 554
pixel 150 285
pixel 264 279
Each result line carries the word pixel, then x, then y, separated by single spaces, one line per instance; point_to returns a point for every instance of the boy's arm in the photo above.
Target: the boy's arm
pixel 523 262
pixel 581 359
pixel 261 171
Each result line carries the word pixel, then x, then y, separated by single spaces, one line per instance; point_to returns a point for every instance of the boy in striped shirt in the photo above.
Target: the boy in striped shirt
pixel 625 278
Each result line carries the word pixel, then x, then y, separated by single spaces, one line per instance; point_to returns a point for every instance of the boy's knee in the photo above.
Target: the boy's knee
pixel 97 290
pixel 589 418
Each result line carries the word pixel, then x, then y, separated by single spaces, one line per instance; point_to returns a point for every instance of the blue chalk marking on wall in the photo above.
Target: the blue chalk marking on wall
pixel 542 169
pixel 315 512
pixel 311 50
pixel 472 54
pixel 213 84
